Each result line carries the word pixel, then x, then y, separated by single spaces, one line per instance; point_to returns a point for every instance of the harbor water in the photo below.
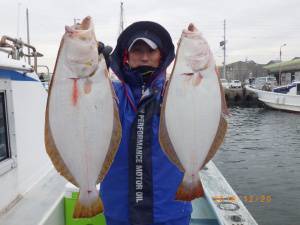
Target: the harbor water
pixel 260 158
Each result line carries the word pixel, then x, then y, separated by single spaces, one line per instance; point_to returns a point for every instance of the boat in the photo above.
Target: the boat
pixel 31 190
pixel 285 98
pixel 264 83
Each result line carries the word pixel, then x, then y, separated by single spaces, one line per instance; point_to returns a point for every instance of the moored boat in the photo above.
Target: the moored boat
pixel 283 98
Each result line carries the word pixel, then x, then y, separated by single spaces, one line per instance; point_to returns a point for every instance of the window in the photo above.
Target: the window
pixel 4 149
pixel 8 151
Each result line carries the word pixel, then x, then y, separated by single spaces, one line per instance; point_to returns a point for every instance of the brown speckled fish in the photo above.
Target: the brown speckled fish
pixel 191 125
pixel 82 130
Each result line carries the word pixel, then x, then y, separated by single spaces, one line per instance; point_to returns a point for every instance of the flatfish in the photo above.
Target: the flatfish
pixel 192 126
pixel 82 126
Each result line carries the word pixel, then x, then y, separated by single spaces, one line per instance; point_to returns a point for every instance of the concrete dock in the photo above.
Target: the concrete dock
pixel 241 97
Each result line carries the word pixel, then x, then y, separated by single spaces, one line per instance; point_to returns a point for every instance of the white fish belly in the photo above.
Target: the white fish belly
pixel 192 116
pixel 82 132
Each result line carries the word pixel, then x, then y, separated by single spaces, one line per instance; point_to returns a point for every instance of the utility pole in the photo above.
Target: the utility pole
pixel 224 61
pixel 121 28
pixel 28 37
pixel 280 55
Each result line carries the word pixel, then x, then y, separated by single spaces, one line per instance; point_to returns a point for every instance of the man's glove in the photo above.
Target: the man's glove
pixel 105 50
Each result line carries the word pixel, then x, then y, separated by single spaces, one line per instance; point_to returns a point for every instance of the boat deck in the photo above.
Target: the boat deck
pixel 35 204
pixel 44 205
pixel 225 203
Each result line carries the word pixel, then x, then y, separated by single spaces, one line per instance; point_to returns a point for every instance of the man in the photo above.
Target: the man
pixel 140 186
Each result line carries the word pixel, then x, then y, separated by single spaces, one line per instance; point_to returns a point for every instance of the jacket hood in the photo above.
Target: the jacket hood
pixel 146 29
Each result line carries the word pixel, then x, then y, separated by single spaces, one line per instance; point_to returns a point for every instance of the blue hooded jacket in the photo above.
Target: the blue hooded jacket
pixel 165 175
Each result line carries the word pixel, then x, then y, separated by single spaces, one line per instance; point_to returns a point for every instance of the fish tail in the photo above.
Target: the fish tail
pixel 190 188
pixel 88 204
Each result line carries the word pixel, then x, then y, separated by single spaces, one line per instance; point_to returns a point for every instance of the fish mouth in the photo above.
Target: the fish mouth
pixel 192 32
pixel 85 25
pixel 192 28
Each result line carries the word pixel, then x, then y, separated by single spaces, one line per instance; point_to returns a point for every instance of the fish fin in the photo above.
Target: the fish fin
pixel 51 149
pixel 53 153
pixel 164 138
pixel 115 139
pixel 88 204
pixel 190 188
pixel 218 140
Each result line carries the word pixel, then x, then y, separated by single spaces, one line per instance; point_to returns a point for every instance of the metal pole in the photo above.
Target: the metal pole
pixel 28 38
pixel 280 54
pixel 121 28
pixel 224 62
pixel 18 21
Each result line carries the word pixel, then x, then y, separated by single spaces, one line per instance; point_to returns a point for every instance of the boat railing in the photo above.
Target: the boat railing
pixel 14 48
pixel 44 76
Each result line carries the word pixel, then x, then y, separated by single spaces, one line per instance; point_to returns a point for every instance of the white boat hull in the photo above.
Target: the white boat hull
pixel 280 101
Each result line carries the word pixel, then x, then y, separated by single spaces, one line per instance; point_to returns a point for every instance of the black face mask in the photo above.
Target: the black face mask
pixel 145 71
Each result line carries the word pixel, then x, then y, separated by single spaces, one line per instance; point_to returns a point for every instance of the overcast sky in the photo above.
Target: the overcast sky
pixel 255 29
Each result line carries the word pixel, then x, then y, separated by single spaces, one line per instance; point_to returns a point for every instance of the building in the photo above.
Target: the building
pixel 243 70
pixel 285 72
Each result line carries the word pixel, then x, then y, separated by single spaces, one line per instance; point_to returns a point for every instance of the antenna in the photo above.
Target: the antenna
pixel 121 28
pixel 224 62
pixel 28 38
pixel 223 43
pixel 18 20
